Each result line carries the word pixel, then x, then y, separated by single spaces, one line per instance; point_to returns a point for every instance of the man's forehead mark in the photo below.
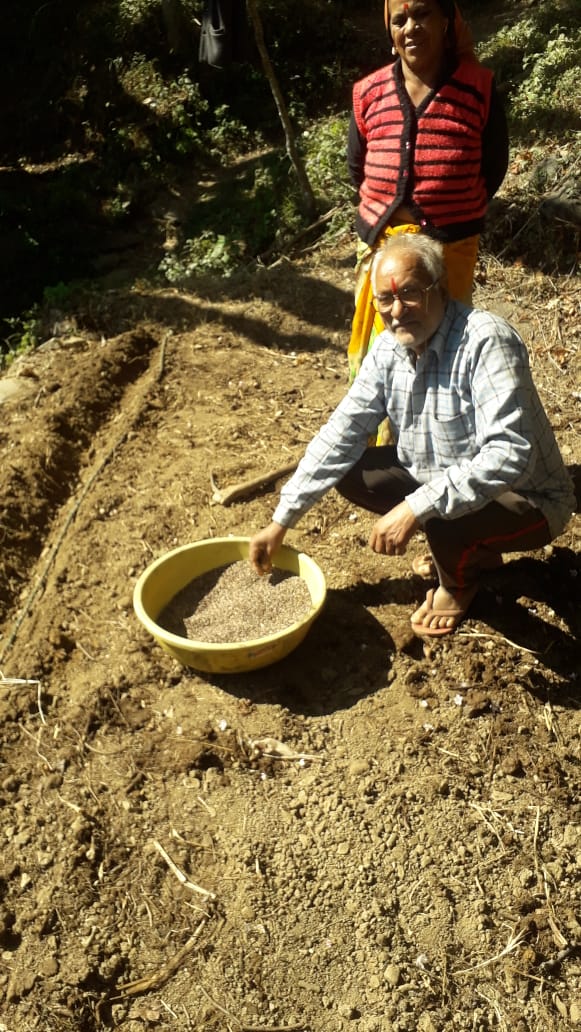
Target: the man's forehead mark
pixel 406 9
pixel 393 283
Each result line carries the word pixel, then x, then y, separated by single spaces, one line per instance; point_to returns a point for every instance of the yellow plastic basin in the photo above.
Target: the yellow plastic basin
pixel 168 575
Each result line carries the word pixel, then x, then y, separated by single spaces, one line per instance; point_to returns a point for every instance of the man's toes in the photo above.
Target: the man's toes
pixel 424 612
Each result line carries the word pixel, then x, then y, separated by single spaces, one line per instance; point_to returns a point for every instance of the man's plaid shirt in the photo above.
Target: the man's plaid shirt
pixel 467 419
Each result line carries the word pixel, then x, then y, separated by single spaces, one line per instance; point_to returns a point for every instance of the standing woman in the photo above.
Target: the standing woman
pixel 427 150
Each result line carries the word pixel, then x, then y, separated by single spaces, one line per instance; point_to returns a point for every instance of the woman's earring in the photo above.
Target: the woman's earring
pixel 393 51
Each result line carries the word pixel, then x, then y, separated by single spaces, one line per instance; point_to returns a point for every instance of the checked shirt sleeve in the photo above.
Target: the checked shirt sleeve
pixel 338 445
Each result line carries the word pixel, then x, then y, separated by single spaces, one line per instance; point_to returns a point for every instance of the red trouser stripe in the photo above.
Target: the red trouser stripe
pixel 487 542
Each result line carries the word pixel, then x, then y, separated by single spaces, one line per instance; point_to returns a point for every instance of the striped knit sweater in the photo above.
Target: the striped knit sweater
pixel 428 159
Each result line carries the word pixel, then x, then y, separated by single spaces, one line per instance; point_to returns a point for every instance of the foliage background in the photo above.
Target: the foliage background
pixel 106 105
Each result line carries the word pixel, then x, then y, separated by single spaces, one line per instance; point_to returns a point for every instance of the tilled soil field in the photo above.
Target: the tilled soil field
pixel 369 835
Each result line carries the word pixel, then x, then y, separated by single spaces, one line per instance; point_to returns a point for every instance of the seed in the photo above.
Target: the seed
pixel 234 603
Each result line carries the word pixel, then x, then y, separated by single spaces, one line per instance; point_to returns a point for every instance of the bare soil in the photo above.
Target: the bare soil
pixel 369 835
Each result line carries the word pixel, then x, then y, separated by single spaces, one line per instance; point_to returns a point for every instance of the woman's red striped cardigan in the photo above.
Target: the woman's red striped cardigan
pixel 429 158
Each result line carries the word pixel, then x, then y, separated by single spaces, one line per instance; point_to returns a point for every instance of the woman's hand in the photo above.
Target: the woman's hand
pixel 263 546
pixel 391 533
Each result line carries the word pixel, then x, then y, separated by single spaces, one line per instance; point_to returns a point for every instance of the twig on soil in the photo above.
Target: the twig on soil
pixel 163 974
pixel 84 651
pixel 273 1028
pixel 168 1009
pixel 503 1027
pixel 72 806
pixel 489 823
pixel 513 942
pixel 44 758
pixel 181 877
pixel 272 749
pixel 558 936
pixel 499 637
pixel 228 1014
pixel 535 841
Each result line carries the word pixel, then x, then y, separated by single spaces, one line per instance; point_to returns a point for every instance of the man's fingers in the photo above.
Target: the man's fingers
pixel 260 560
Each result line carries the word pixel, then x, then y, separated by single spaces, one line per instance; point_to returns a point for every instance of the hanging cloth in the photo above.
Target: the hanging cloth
pixel 223 38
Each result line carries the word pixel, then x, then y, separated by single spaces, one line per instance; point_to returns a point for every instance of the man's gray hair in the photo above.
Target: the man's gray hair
pixel 428 253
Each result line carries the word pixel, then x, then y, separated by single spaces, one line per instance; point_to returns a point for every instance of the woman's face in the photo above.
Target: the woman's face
pixel 418 30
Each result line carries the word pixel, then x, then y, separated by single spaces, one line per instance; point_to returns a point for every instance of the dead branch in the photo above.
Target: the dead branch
pixel 292 241
pixel 248 487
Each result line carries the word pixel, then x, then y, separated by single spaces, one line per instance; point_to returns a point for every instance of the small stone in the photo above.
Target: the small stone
pixel 349 1012
pixel 358 767
pixel 392 974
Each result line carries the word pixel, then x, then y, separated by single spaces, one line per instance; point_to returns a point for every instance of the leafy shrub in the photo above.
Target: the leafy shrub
pixel 234 222
pixel 229 137
pixel 536 62
pixel 325 147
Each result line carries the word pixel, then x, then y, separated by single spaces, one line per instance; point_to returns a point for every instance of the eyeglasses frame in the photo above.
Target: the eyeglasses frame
pixel 376 301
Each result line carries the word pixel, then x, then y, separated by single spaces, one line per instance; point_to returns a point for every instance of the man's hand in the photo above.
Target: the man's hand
pixel 392 532
pixel 263 546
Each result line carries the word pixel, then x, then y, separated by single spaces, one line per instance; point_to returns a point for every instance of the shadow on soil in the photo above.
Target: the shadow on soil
pixel 348 654
pixel 345 657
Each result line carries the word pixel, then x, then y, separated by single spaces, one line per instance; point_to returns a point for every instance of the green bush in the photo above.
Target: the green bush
pixel 536 62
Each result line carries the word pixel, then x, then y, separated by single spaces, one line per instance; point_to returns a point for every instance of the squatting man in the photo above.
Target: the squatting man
pixel 475 464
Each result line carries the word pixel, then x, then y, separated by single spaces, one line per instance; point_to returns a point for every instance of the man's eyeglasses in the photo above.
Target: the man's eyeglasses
pixel 409 297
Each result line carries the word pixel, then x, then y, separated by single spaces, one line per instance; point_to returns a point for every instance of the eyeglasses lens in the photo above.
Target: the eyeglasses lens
pixel 410 297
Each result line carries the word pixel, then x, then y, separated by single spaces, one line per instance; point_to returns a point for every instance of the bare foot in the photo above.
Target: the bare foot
pixel 423 565
pixel 441 611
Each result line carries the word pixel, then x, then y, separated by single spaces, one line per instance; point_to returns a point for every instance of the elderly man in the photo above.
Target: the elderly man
pixel 475 464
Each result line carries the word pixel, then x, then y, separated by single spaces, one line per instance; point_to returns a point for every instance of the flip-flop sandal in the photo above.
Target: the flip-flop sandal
pixel 438 632
pixel 423 565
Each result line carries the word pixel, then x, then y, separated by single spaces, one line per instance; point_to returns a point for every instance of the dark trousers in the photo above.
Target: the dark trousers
pixel 461 548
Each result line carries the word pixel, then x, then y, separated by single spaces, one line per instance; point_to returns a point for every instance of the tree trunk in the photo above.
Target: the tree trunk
pixel 308 196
